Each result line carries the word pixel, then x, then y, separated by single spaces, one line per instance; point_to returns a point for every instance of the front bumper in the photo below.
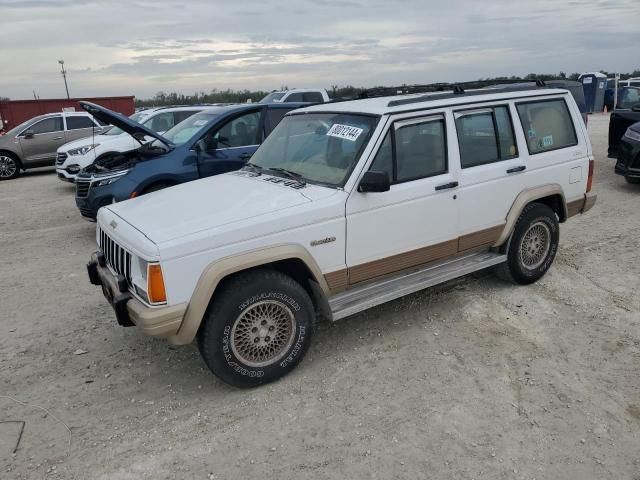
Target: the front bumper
pixel 156 322
pixel 65 176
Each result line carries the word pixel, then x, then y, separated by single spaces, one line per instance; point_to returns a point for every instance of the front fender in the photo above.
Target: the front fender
pixel 213 274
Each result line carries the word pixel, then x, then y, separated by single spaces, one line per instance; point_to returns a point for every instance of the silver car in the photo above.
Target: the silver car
pixel 34 143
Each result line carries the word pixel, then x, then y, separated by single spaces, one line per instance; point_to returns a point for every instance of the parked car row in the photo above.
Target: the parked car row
pixel 324 211
pixel 49 139
pixel 212 141
pixel 34 143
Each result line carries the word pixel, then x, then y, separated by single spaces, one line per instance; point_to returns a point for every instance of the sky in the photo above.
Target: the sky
pixel 140 47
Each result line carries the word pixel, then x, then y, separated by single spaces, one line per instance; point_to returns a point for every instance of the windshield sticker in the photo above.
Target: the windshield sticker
pixel 547 141
pixel 345 131
pixel 199 123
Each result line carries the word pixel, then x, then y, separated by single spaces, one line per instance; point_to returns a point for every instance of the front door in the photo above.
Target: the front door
pixel 415 221
pixel 230 146
pixel 40 141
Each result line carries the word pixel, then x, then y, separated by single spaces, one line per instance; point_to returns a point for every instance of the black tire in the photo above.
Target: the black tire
pixel 632 181
pixel 244 310
pixel 532 247
pixel 9 166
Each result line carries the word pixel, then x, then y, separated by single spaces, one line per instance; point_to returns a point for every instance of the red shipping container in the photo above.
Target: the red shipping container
pixel 14 112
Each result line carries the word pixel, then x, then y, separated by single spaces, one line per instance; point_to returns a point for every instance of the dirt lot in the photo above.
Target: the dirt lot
pixel 476 379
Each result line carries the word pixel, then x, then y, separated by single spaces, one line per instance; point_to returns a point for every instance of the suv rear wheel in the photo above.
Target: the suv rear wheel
pixel 257 328
pixel 533 245
pixel 9 166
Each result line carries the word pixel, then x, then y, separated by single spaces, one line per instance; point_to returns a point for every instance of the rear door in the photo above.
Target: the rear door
pixel 80 126
pixel 623 117
pixel 229 146
pixel 492 172
pixel 40 141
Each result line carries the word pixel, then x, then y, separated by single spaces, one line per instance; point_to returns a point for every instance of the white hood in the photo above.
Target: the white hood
pixel 206 204
pixel 81 142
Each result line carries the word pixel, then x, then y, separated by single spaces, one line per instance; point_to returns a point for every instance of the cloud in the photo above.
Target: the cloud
pixel 139 47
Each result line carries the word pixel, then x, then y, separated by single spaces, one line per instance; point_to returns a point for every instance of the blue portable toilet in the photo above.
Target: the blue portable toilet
pixel 594 85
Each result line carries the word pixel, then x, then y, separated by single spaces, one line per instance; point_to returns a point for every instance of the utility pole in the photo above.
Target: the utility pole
pixel 64 75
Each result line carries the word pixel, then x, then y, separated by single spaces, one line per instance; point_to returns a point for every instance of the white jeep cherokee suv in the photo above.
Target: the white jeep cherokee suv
pixel 74 156
pixel 346 206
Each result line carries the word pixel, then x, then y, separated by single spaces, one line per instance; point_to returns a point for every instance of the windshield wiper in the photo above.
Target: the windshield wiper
pixel 288 173
pixel 253 167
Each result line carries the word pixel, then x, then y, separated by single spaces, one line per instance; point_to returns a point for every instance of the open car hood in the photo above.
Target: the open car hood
pixel 125 124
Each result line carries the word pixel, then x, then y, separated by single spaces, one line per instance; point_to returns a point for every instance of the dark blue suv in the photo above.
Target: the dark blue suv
pixel 213 141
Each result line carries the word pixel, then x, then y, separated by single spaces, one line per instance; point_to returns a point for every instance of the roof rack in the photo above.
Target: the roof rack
pixel 439 88
pixel 477 88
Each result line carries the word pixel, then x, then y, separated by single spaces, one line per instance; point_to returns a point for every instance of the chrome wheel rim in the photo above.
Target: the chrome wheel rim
pixel 535 245
pixel 263 333
pixel 8 166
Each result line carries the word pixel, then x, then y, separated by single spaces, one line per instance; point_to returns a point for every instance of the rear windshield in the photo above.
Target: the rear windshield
pixel 272 97
pixel 136 117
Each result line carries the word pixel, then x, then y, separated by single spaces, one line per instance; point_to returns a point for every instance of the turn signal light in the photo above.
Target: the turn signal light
pixel 133 195
pixel 590 177
pixel 155 284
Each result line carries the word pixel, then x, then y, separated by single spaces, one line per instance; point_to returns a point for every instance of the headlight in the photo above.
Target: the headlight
pixel 632 134
pixel 148 281
pixel 100 182
pixel 83 150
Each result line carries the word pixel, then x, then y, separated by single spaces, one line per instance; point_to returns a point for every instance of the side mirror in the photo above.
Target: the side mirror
pixel 374 182
pixel 636 108
pixel 28 134
pixel 200 146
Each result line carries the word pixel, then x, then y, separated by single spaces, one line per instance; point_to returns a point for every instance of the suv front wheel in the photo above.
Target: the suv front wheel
pixel 533 245
pixel 9 166
pixel 257 328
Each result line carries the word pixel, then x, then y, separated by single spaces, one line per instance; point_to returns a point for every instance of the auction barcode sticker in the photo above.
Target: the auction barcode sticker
pixel 345 131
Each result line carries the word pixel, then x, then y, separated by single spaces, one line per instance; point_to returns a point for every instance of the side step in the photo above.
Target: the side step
pixel 375 293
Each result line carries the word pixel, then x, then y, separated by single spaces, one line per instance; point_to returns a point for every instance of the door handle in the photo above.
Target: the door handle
pixel 245 156
pixel 519 168
pixel 447 186
pixel 57 138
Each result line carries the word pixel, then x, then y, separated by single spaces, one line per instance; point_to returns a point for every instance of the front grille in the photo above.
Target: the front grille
pixel 60 158
pixel 82 187
pixel 116 256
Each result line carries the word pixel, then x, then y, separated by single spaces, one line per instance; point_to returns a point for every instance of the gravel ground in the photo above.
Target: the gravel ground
pixel 476 379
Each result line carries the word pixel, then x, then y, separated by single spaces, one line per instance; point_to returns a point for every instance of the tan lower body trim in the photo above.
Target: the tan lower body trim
pixel 401 261
pixel 574 208
pixel 483 238
pixel 340 280
pixel 581 205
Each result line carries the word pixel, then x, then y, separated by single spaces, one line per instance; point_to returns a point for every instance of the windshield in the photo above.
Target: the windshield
pixel 629 97
pixel 272 97
pixel 183 131
pixel 322 148
pixel 136 117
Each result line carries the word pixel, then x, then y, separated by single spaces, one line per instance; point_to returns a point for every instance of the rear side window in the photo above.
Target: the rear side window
pixel 77 123
pixel 547 125
pixel 485 136
pixel 314 97
pixel 294 97
pixel 412 150
pixel 272 118
pixel 180 116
